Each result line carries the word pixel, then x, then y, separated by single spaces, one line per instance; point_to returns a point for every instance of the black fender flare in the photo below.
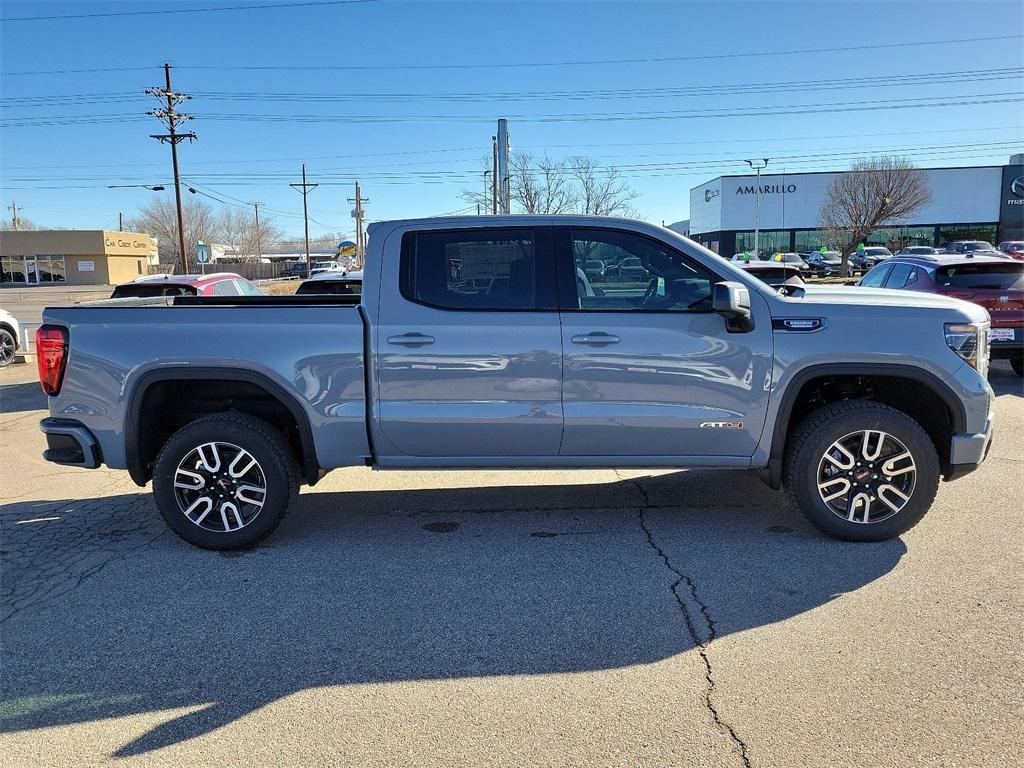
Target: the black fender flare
pixel 772 474
pixel 133 423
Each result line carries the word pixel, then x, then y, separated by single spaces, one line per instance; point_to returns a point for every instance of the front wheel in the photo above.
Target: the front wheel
pixel 861 471
pixel 225 481
pixel 8 348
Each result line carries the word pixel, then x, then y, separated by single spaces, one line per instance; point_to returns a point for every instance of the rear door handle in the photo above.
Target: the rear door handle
pixel 595 339
pixel 411 339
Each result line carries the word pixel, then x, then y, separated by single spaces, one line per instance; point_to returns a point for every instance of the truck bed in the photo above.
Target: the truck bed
pixel 308 349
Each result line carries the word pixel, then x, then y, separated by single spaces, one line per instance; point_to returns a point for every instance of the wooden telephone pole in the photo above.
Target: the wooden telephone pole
pixel 359 214
pixel 170 117
pixel 305 188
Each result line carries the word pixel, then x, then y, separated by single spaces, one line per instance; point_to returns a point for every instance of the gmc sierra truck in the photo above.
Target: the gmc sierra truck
pixel 483 342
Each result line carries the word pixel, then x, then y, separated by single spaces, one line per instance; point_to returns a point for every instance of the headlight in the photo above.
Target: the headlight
pixel 970 341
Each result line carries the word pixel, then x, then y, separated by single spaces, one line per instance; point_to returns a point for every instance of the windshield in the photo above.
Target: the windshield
pixel 332 287
pixel 877 251
pixel 998 277
pixel 149 290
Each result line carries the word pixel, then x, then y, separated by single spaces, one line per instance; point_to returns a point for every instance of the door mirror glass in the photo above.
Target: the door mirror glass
pixel 732 301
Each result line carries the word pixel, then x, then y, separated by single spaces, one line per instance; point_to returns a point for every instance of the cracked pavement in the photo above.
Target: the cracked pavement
pixel 587 618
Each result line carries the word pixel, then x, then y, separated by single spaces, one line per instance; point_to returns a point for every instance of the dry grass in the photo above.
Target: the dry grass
pixel 282 288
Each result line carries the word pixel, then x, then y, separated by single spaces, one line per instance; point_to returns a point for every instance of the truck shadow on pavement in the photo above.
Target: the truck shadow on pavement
pixel 111 615
pixel 19 398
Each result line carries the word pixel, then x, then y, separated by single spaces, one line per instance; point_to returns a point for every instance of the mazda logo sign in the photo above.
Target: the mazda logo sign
pixel 1017 186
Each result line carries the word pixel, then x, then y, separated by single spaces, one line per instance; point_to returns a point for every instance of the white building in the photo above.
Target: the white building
pixel 981 203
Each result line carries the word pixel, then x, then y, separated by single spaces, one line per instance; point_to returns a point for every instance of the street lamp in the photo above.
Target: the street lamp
pixel 757 203
pixel 150 187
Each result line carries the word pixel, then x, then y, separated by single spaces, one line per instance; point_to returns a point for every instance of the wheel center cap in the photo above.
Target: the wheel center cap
pixel 224 485
pixel 861 475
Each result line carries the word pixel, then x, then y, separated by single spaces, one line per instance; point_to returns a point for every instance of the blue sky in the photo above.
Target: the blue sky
pixel 653 118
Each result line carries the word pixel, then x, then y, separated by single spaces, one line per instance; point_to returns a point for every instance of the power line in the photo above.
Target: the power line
pixel 636 170
pixel 939 78
pixel 495 65
pixel 650 60
pixel 761 141
pixel 161 11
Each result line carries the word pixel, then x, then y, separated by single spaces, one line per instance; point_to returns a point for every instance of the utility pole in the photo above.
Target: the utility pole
pixel 305 188
pixel 170 117
pixel 259 243
pixel 358 214
pixel 120 221
pixel 757 204
pixel 15 221
pixel 503 177
pixel 494 175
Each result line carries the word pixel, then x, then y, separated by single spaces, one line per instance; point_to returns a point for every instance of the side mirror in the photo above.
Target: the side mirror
pixel 732 301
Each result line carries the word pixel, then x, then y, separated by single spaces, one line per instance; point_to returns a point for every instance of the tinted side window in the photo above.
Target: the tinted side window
pixel 876 276
pixel 493 269
pixel 901 275
pixel 225 288
pixel 639 274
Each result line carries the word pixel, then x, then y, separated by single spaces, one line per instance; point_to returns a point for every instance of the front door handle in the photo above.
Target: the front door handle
pixel 411 339
pixel 595 339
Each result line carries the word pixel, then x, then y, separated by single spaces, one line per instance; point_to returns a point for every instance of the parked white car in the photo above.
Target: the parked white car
pixel 10 338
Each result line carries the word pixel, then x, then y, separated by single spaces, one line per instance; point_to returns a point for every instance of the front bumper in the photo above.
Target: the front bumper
pixel 69 443
pixel 966 452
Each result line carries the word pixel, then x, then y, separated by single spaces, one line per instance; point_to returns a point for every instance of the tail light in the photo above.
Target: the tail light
pixel 51 357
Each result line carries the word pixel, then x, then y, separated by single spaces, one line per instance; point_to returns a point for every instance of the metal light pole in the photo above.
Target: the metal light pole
pixel 757 204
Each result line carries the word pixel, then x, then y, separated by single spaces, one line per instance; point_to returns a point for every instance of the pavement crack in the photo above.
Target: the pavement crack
pixel 700 640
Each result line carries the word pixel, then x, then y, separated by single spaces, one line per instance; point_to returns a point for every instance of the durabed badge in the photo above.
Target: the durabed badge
pixel 798 324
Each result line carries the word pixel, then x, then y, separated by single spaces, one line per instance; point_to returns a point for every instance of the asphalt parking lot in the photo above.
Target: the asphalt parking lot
pixel 569 618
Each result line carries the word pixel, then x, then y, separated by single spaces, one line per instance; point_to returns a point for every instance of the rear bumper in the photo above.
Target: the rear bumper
pixel 1007 346
pixel 966 452
pixel 69 443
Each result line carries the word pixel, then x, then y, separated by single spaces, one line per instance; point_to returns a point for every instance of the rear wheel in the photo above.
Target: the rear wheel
pixel 225 481
pixel 861 471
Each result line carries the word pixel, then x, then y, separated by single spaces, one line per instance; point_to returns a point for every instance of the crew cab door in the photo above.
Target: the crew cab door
pixel 468 349
pixel 649 369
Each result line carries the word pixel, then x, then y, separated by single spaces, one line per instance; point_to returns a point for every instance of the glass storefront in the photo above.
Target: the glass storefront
pixel 33 270
pixel 769 241
pixel 986 232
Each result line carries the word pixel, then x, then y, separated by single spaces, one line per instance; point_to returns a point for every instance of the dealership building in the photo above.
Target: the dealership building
pixel 974 203
pixel 75 257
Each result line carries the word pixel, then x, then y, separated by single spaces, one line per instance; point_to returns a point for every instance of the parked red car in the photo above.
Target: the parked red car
pixel 993 282
pixel 215 284
pixel 1013 248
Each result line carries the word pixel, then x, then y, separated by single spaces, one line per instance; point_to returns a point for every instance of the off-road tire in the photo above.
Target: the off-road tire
pixel 820 429
pixel 276 460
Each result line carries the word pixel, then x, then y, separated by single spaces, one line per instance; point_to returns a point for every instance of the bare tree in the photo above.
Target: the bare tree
pixel 24 225
pixel 159 218
pixel 237 228
pixel 541 186
pixel 579 184
pixel 870 195
pixel 601 192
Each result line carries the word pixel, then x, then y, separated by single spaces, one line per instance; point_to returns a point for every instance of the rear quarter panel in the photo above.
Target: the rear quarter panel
pixel 314 353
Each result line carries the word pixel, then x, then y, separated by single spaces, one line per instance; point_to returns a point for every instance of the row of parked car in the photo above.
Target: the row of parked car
pixel 989 278
pixel 827 263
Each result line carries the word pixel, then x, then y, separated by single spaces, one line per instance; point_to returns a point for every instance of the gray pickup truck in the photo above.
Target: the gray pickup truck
pixel 483 342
